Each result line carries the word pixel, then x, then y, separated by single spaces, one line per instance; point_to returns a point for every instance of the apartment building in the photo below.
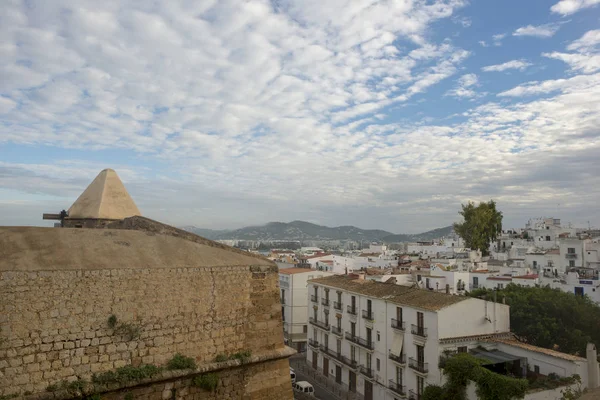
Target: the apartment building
pixel 293 292
pixel 387 342
pixel 384 340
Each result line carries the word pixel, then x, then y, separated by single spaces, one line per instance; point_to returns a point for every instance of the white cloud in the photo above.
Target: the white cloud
pixel 586 63
pixel 513 64
pixel 6 105
pixel 482 43
pixel 464 86
pixel 542 31
pixel 588 42
pixel 567 7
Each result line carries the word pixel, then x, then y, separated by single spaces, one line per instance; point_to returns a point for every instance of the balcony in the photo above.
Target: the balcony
pixel 313 343
pixel 418 366
pixel 325 302
pixel 341 358
pixel 314 298
pixel 351 310
pixel 399 359
pixel 368 315
pixel 337 305
pixel 398 325
pixel 367 344
pixel 397 388
pixel 418 330
pixel 412 395
pixel 571 256
pixel 368 372
pixel 319 324
pixel 337 331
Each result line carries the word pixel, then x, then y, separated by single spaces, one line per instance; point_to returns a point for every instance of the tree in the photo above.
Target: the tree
pixel 550 318
pixel 481 225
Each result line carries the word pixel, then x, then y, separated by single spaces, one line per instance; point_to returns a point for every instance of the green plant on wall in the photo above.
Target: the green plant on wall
pixel 179 361
pixel 129 330
pixel 206 381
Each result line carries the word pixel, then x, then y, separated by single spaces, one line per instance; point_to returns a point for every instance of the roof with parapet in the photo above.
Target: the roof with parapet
pixel 530 347
pixel 397 294
pixel 135 242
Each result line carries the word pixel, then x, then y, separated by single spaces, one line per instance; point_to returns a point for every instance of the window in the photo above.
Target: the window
pixel 282 296
pixel 305 329
pixel 420 354
pixel 338 346
pixel 378 364
pixel 571 250
pixel 420 385
pixel 536 369
pixel 399 376
pixel 315 334
pixel 399 314
pixel 327 294
pixel 283 314
pixel 315 313
pixel 339 322
pixel 501 286
pixel 378 337
pixel 353 302
pixel 571 263
pixel 420 319
pixel 326 315
pixel 316 291
pixel 326 340
pixel 369 334
pixel 535 264
pixel 353 353
pixel 462 349
pixel 339 297
pixel 353 328
pixel 547 238
pixel 369 361
pixel 369 306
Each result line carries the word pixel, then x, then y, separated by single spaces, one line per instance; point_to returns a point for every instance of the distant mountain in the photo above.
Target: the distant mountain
pixel 300 230
pixel 429 235
pixel 205 233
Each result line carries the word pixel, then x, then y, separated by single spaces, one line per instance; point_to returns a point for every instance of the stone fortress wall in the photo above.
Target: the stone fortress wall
pixel 173 291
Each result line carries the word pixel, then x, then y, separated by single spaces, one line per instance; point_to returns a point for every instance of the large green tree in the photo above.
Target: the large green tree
pixel 481 225
pixel 550 318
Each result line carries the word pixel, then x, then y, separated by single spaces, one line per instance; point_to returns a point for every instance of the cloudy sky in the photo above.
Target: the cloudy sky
pixel 380 114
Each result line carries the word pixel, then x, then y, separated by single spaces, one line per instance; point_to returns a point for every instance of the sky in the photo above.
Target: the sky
pixel 378 114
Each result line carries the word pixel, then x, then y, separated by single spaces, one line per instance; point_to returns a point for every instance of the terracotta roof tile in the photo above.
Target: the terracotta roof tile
pixel 290 271
pixel 397 294
pixel 530 276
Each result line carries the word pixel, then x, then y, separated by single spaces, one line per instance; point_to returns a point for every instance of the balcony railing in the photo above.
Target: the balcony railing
pixel 397 388
pixel 325 302
pixel 367 344
pixel 419 366
pixel 397 358
pixel 341 358
pixel 351 310
pixel 418 330
pixel 412 395
pixel 337 305
pixel 571 256
pixel 368 372
pixel 368 315
pixel 313 343
pixel 320 324
pixel 399 325
pixel 336 330
pixel 314 298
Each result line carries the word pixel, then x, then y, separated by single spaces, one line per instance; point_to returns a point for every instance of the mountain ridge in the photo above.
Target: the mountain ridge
pixel 302 230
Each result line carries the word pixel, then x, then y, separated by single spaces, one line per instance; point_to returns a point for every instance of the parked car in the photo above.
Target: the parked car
pixel 292 375
pixel 304 387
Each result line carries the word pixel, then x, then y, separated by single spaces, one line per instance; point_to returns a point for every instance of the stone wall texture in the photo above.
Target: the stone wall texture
pixel 54 326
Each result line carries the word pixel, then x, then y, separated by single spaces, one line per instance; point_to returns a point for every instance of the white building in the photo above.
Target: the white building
pixel 292 283
pixel 571 253
pixel 384 341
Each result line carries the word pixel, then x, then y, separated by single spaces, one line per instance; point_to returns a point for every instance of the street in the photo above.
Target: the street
pixel 321 392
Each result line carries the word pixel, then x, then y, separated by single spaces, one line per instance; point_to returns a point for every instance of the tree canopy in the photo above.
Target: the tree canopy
pixel 462 368
pixel 550 318
pixel 481 225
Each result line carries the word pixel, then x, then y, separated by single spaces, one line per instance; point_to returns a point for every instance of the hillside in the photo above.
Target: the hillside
pixel 300 230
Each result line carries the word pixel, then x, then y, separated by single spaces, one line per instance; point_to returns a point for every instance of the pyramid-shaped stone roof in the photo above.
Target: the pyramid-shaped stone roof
pixel 105 198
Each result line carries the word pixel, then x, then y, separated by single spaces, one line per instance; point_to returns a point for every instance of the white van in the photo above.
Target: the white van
pixel 304 387
pixel 292 375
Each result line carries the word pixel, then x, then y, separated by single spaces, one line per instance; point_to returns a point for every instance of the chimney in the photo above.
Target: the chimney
pixel 361 276
pixel 447 288
pixel 593 369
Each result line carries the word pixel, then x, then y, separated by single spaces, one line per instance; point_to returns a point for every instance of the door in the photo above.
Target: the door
pixel 315 360
pixel 326 366
pixel 368 390
pixel 475 282
pixel 338 374
pixel 352 381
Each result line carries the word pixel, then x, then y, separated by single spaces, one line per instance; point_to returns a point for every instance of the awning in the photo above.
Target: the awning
pixel 494 356
pixel 397 344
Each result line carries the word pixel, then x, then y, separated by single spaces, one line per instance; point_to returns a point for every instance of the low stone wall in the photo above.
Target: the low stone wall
pixel 54 323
